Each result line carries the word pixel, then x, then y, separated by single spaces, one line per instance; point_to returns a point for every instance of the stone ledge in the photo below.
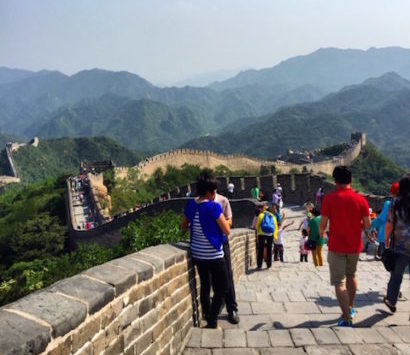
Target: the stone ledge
pixel 120 278
pixel 20 335
pixel 95 294
pixel 62 313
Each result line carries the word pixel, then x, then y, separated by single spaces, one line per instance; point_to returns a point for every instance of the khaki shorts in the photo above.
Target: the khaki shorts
pixel 341 266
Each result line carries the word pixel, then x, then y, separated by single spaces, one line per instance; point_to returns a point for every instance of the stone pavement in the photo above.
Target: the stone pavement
pixel 292 309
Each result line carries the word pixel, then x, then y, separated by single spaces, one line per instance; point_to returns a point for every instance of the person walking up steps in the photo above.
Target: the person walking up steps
pixel 278 247
pixel 347 213
pixel 315 238
pixel 303 251
pixel 266 226
pixel 397 231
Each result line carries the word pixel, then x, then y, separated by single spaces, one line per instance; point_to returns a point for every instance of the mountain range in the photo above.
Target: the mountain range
pixel 379 106
pixel 141 116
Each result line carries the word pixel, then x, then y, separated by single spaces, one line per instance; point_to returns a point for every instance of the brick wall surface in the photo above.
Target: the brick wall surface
pixel 144 303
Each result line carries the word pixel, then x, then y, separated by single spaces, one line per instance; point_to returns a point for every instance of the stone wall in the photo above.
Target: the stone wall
pixel 211 160
pixel 144 303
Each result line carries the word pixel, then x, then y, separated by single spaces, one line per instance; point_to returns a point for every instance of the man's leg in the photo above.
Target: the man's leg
pixel 319 254
pixel 314 257
pixel 337 268
pixel 351 280
pixel 396 278
pixel 261 246
pixel 219 285
pixel 269 241
pixel 205 280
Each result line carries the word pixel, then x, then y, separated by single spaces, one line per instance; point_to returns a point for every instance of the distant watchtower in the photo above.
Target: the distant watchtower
pixel 357 137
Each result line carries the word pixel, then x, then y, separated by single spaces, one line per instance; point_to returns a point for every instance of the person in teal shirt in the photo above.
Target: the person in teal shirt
pixel 314 235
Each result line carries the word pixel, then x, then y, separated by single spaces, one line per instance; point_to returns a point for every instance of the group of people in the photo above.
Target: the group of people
pixel 343 215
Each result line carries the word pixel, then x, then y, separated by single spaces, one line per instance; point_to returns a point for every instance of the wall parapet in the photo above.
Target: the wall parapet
pixel 143 303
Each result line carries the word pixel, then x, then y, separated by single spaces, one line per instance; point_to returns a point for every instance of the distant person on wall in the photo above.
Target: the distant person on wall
pixel 347 213
pixel 262 196
pixel 315 238
pixel 275 197
pixel 230 189
pixel 230 297
pixel 255 192
pixel 303 250
pixel 397 231
pixel 280 194
pixel 319 197
pixel 208 228
pixel 378 224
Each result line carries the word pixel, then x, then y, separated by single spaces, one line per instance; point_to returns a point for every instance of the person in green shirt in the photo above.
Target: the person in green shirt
pixel 255 192
pixel 314 236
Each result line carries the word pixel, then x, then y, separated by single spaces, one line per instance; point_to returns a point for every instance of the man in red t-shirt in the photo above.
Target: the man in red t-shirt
pixel 347 213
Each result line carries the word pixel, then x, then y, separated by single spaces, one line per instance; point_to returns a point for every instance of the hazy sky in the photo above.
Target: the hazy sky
pixel 170 40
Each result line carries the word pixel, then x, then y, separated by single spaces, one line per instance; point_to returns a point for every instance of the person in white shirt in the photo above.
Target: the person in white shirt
pixel 231 187
pixel 278 244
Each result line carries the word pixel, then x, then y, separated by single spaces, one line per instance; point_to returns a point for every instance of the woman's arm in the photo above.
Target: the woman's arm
pixel 223 225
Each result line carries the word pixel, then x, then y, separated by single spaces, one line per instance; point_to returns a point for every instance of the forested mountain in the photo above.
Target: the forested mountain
pixel 143 125
pixel 328 69
pixel 55 157
pixel 380 107
pixel 8 75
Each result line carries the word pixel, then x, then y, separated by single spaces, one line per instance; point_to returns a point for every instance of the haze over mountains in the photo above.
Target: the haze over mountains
pixel 141 116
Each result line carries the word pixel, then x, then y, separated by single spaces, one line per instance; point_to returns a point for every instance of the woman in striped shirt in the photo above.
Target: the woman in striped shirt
pixel 209 230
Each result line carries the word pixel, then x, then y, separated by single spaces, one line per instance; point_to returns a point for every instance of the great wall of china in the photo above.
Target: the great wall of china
pixel 212 160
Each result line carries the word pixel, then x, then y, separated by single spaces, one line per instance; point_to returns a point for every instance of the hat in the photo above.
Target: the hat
pixel 394 189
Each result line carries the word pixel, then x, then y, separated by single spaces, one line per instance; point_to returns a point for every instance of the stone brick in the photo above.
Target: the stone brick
pixel 128 315
pixel 234 338
pixel 280 337
pixel 189 351
pixel 60 347
pixel 85 333
pixel 132 332
pixel 328 350
pixel 142 270
pixel 87 349
pixel 236 351
pixel 257 339
pixel 143 342
pixel 94 293
pixel 147 304
pixel 21 335
pixel 388 335
pixel 167 255
pixel 176 343
pixel 158 329
pixel 267 307
pixel 111 312
pixel 403 332
pixel 325 336
pixel 62 313
pixel 301 307
pixel 166 337
pixel 370 335
pixel 157 264
pixel 211 338
pixel 195 339
pixel 373 349
pixel 116 347
pixel 302 337
pixel 129 351
pixel 98 342
pixel 347 335
pixel 148 320
pixel 283 351
pixel 120 278
pixel 404 349
pixel 112 331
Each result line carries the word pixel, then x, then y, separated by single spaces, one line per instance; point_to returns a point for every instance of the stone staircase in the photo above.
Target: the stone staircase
pixel 292 309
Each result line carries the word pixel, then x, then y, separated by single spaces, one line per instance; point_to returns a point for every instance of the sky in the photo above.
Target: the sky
pixel 166 41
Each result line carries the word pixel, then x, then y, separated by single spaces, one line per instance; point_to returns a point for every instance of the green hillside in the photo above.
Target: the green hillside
pixel 63 156
pixel 374 173
pixel 379 107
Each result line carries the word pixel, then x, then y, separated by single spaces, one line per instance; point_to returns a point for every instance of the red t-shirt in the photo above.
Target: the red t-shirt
pixel 345 210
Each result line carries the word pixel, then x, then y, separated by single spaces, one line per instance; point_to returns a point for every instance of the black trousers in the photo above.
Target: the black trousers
pixel 262 241
pixel 278 252
pixel 303 257
pixel 230 297
pixel 212 273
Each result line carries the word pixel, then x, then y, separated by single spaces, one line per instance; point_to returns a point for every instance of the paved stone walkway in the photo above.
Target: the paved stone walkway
pixel 292 309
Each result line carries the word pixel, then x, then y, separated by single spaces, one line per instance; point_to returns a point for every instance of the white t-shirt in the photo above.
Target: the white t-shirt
pixel 226 206
pixel 231 187
pixel 281 236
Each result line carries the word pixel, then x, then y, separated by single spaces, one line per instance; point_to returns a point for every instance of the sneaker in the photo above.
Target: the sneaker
pixel 233 317
pixel 345 323
pixel 389 305
pixel 352 312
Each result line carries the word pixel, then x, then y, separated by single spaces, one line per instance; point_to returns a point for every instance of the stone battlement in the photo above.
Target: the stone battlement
pixel 143 303
pixel 208 159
